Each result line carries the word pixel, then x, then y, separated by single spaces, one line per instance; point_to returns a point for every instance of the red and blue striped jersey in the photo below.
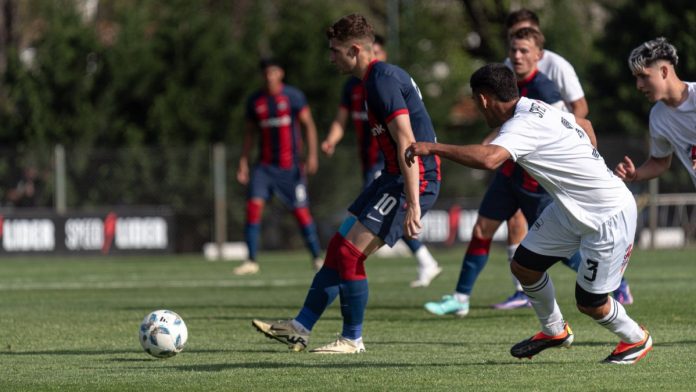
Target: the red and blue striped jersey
pixel 390 91
pixel 353 100
pixel 276 116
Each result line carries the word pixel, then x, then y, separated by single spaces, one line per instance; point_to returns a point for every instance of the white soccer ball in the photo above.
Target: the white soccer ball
pixel 163 334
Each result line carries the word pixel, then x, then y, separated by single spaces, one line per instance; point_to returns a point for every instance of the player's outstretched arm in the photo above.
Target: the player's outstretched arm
pixel 587 127
pixel 478 156
pixel 336 132
pixel 579 108
pixel 312 162
pixel 247 143
pixel 401 131
pixel 651 168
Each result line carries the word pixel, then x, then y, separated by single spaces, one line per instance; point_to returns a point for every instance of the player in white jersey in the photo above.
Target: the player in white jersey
pixel 672 119
pixel 562 73
pixel 592 211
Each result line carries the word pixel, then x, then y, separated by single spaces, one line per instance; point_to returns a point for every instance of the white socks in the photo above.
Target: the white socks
pixel 426 261
pixel 543 298
pixel 462 298
pixel 300 327
pixel 618 322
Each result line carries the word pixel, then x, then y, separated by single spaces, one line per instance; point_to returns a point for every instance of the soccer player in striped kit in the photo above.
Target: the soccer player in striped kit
pixel 389 208
pixel 275 113
pixel 372 162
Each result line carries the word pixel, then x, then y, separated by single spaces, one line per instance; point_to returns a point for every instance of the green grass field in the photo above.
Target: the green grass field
pixel 72 324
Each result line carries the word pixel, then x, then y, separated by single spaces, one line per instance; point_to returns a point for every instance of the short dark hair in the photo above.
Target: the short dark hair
pixel 529 33
pixel 496 79
pixel 379 40
pixel 521 15
pixel 269 62
pixel 353 26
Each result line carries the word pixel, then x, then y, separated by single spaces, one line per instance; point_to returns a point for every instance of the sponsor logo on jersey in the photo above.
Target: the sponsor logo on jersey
pixel 537 224
pixel 282 105
pixel 537 109
pixel 276 121
pixel 359 116
pixel 377 130
pixel 566 123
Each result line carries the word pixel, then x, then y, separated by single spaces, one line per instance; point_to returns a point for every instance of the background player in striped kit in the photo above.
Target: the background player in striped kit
pixel 372 162
pixel 275 113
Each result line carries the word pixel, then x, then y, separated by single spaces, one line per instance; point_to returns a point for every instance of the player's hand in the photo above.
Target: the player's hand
pixel 243 173
pixel 412 223
pixel 311 165
pixel 415 150
pixel 328 148
pixel 626 170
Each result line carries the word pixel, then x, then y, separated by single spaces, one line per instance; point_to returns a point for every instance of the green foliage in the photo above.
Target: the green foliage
pixel 614 101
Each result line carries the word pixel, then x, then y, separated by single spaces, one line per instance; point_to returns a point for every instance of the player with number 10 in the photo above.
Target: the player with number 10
pixel 391 206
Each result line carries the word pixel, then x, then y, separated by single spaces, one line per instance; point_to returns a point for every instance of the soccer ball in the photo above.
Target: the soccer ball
pixel 163 334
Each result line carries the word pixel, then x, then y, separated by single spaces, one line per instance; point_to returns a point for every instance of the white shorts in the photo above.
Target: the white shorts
pixel 604 252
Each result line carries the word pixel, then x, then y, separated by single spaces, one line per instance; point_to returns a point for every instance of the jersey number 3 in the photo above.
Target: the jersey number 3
pixel 592 267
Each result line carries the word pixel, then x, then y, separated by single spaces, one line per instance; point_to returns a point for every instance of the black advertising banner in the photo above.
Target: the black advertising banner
pixel 143 230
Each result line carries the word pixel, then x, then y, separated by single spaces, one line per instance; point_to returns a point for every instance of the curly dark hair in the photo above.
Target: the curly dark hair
pixel 353 26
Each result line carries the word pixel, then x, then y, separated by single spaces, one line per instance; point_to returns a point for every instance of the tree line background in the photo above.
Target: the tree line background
pixel 138 90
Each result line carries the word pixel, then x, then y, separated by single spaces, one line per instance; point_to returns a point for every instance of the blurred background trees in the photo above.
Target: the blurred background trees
pixel 163 80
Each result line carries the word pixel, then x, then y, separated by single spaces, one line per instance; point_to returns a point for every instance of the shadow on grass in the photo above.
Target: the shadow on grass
pixel 283 364
pixel 93 352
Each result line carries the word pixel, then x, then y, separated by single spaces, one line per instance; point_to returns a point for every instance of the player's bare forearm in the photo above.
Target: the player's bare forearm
pixel 588 128
pixel 478 156
pixel 334 136
pixel 652 168
pixel 580 108
pixel 312 162
pixel 247 143
pixel 401 131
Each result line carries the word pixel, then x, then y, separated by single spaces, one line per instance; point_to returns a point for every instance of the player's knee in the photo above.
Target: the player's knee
pixel 304 218
pixel 254 211
pixel 343 256
pixel 525 275
pixel 485 228
pixel 591 304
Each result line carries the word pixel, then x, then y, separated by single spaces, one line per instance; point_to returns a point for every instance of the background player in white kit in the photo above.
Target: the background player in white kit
pixel 672 119
pixel 592 211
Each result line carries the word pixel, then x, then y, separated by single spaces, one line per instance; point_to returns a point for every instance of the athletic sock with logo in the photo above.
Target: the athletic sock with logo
pixel 618 322
pixel 543 298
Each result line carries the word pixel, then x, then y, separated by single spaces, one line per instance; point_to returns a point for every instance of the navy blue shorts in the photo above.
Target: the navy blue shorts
pixel 381 207
pixel 290 185
pixel 506 195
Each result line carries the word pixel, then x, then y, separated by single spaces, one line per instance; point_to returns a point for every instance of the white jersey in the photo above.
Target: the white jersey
pixel 561 73
pixel 557 152
pixel 673 130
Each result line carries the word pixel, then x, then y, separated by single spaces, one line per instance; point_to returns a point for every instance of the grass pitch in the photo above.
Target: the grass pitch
pixel 72 324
